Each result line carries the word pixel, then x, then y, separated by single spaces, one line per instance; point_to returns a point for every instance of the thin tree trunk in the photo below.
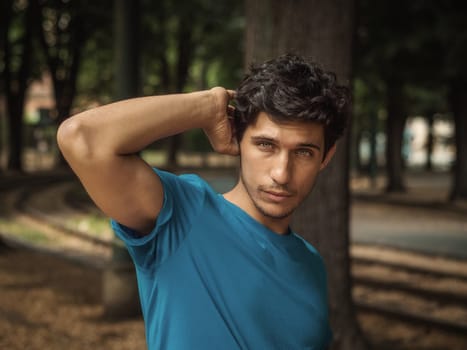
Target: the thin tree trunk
pixel 127 49
pixel 395 124
pixel 119 291
pixel 185 57
pixel 65 92
pixel 15 131
pixel 16 83
pixel 430 142
pixel 458 102
pixel 5 15
pixel 63 71
pixel 324 30
pixel 373 161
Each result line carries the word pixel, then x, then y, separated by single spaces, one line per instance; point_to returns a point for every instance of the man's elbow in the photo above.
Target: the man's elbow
pixel 73 140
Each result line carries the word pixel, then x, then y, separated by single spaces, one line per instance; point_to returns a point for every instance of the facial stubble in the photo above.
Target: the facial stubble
pixel 259 207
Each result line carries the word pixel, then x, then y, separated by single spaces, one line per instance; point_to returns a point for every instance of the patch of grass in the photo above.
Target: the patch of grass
pixel 93 224
pixel 154 157
pixel 22 232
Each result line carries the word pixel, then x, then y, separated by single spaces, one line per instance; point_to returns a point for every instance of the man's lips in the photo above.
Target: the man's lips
pixel 277 196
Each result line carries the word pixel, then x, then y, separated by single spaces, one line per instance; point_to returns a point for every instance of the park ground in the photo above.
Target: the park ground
pixel 48 302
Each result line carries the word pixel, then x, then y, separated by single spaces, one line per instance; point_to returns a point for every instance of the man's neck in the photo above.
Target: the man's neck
pixel 240 197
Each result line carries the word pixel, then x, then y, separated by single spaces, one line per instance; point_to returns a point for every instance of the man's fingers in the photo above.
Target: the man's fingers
pixel 231 93
pixel 231 111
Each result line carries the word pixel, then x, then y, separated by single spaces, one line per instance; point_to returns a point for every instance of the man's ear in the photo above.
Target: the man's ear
pixel 328 157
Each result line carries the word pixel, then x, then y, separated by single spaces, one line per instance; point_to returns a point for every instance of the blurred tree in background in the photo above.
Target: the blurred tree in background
pixel 451 32
pixel 17 26
pixel 64 29
pixel 184 46
pixel 395 53
pixel 409 62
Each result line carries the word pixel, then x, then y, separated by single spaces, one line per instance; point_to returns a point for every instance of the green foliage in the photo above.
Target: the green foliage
pixel 95 80
pixel 419 44
pixel 185 46
pixel 191 45
pixel 214 56
pixel 368 97
pixel 213 44
pixel 22 232
pixel 92 224
pixel 76 36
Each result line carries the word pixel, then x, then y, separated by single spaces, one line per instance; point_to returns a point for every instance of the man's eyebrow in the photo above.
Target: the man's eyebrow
pixel 310 145
pixel 273 140
pixel 263 138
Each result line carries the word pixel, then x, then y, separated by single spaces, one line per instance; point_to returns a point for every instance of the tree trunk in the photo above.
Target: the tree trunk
pixel 127 49
pixel 395 124
pixel 119 288
pixel 164 71
pixel 16 83
pixel 15 131
pixel 185 56
pixel 430 142
pixel 65 91
pixel 63 68
pixel 322 29
pixel 5 15
pixel 458 98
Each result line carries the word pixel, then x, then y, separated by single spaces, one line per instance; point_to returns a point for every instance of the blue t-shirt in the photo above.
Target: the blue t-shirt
pixel 212 277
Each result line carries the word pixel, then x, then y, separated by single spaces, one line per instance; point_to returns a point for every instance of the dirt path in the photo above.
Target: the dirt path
pixel 49 303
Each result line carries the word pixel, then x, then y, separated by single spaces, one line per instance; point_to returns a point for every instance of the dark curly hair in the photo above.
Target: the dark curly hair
pixel 290 88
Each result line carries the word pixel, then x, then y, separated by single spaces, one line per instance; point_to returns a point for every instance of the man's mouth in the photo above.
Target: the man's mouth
pixel 277 196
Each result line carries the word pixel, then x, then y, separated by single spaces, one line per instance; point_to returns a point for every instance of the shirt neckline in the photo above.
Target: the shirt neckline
pixel 281 239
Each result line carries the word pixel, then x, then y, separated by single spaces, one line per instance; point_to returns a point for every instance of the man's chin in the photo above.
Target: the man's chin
pixel 274 214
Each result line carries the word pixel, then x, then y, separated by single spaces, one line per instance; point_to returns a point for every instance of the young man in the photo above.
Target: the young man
pixel 220 271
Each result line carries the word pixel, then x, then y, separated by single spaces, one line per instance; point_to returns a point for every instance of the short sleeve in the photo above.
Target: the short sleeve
pixel 183 199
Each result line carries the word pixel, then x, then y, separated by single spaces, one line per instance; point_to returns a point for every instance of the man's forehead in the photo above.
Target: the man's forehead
pixel 291 134
pixel 304 131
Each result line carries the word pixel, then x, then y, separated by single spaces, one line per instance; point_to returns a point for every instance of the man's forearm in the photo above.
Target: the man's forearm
pixel 129 126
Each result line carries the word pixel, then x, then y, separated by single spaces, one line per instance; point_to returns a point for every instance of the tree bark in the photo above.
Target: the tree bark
pixel 324 30
pixel 430 142
pixel 184 58
pixel 16 83
pixel 395 124
pixel 458 98
pixel 119 288
pixel 5 15
pixel 63 69
pixel 127 49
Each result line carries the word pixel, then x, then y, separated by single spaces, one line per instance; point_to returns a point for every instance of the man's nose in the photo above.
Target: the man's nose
pixel 281 169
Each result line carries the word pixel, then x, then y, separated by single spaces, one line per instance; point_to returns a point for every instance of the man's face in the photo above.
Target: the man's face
pixel 279 166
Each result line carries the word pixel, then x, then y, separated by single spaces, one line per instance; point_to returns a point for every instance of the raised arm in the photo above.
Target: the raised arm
pixel 101 146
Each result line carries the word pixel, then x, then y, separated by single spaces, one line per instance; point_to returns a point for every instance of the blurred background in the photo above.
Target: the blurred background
pixel 397 260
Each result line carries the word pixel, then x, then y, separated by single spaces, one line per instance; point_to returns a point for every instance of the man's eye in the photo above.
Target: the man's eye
pixel 304 153
pixel 265 145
